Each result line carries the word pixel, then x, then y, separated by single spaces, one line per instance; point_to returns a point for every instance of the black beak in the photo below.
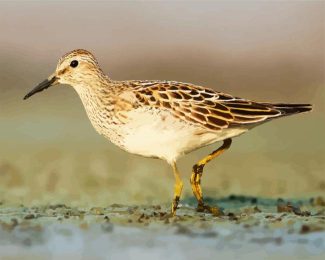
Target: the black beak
pixel 40 87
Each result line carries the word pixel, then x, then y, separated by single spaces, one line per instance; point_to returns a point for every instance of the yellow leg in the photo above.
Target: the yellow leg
pixel 197 174
pixel 177 190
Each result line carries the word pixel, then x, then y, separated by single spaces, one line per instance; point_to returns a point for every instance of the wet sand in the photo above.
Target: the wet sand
pixel 250 228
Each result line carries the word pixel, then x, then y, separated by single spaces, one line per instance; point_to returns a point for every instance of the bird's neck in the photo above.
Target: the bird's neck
pixel 98 103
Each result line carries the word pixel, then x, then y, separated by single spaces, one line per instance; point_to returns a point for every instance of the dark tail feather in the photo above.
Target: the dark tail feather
pixel 290 109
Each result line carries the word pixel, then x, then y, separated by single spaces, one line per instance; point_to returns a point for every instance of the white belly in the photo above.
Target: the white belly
pixel 158 134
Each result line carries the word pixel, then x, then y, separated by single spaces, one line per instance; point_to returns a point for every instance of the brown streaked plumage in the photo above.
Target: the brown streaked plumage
pixel 162 119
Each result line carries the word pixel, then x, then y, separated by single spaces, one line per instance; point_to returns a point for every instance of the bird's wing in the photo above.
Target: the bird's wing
pixel 203 106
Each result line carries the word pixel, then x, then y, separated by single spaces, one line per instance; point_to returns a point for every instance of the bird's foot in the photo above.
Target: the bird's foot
pixel 174 206
pixel 215 211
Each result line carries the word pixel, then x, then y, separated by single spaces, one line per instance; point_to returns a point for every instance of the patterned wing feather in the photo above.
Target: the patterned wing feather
pixel 202 106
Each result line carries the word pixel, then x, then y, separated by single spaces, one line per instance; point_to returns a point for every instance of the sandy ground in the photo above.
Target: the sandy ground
pixel 251 228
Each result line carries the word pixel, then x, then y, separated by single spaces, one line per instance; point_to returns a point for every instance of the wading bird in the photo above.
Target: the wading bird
pixel 162 119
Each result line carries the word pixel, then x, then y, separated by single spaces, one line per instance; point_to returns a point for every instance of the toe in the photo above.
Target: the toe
pixel 215 211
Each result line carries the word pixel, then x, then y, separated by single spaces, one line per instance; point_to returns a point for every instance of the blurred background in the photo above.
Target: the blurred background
pixel 264 51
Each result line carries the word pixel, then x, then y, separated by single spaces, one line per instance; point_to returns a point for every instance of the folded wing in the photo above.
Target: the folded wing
pixel 208 108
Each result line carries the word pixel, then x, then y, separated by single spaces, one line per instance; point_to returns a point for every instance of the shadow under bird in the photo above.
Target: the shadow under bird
pixel 162 119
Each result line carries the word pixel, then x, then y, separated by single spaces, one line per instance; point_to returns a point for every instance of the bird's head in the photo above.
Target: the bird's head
pixel 76 68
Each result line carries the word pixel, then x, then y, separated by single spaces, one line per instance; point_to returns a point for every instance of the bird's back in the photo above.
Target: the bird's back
pixel 206 107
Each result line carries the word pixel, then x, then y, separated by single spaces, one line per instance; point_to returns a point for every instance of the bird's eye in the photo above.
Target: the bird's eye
pixel 74 63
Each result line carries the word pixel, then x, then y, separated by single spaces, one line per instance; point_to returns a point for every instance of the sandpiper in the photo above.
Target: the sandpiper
pixel 162 119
